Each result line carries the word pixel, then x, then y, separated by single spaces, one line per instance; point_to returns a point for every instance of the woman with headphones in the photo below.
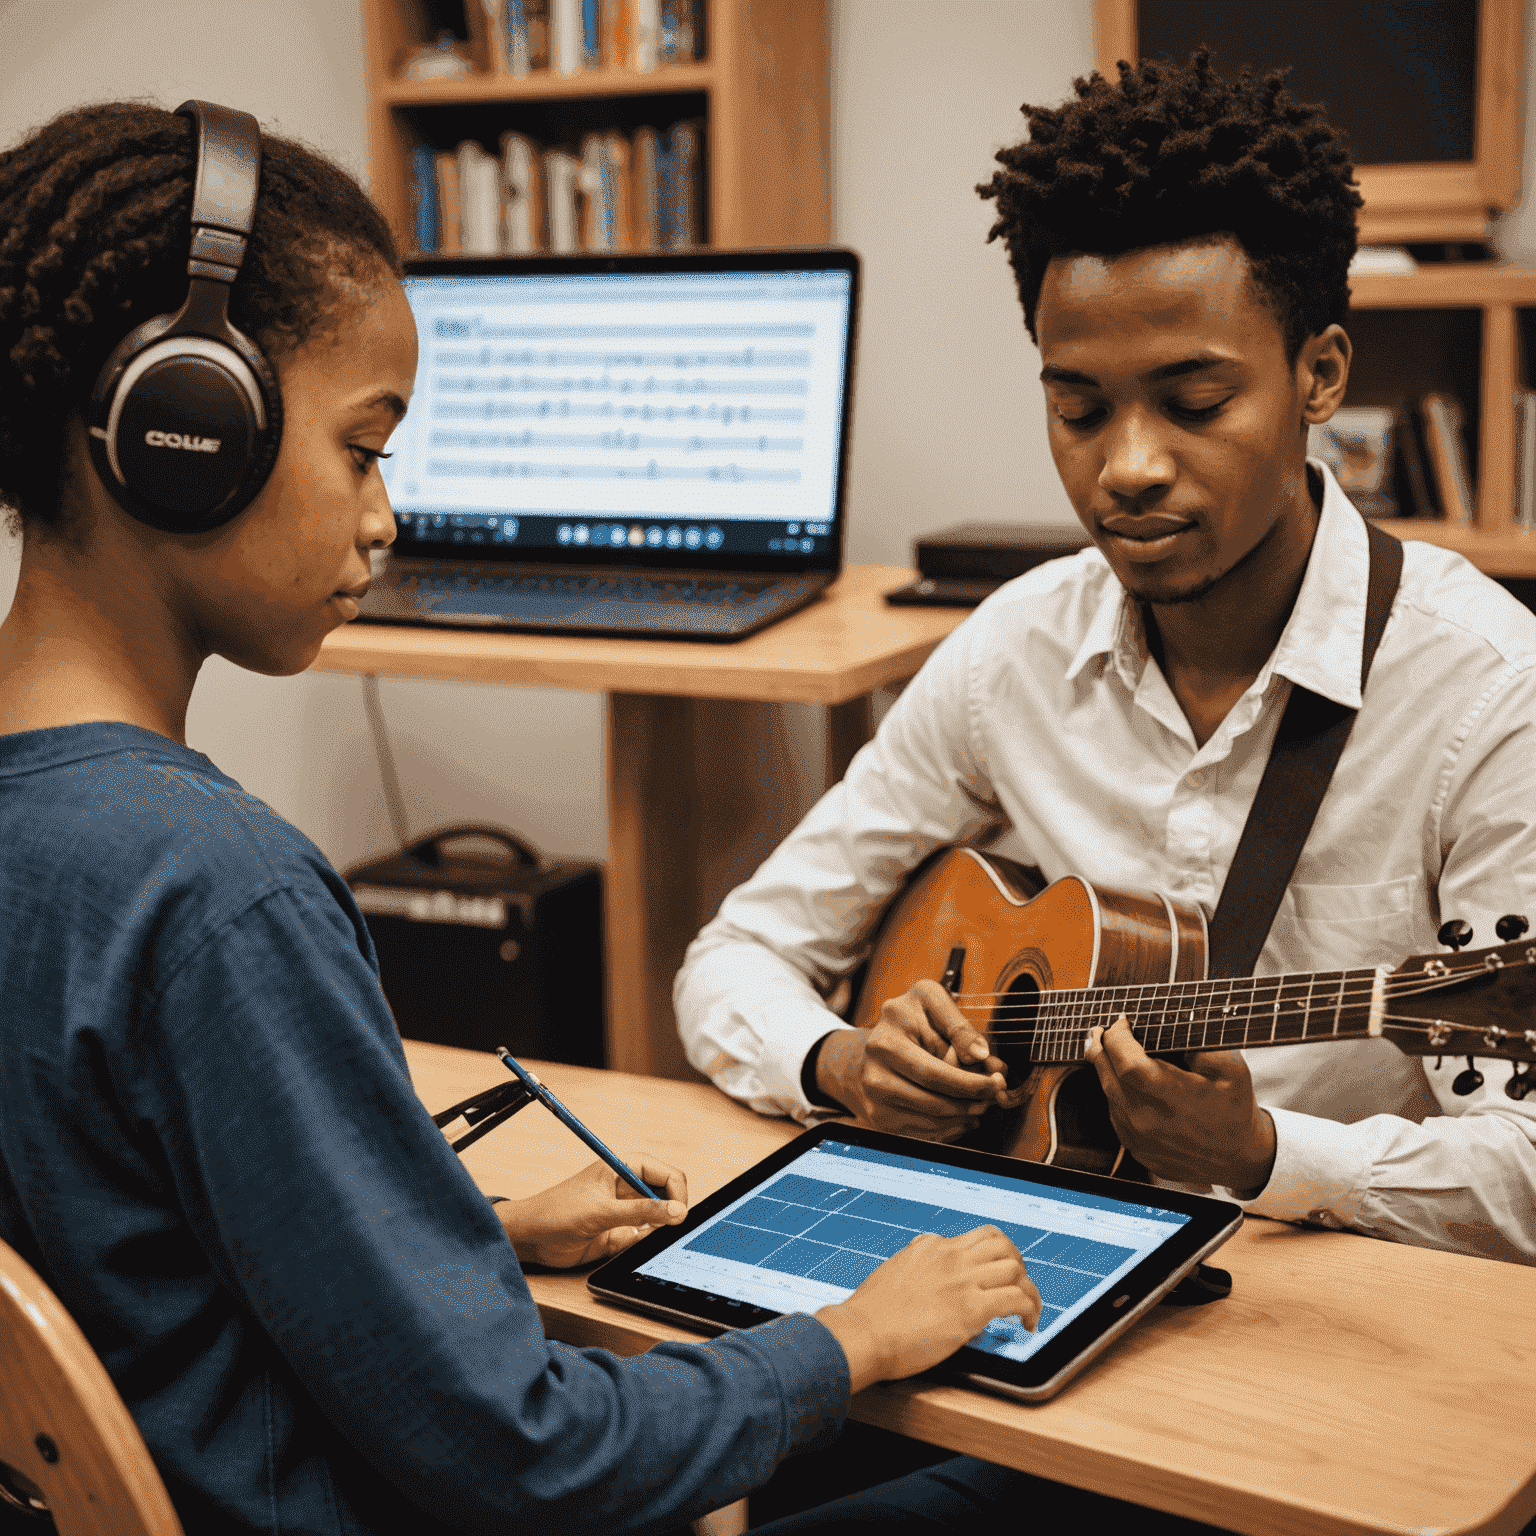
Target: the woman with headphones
pixel 209 1144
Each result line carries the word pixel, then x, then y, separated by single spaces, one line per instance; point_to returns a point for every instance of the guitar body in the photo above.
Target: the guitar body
pixel 1019 942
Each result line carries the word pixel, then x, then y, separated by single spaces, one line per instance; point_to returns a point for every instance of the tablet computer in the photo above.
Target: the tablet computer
pixel 805 1226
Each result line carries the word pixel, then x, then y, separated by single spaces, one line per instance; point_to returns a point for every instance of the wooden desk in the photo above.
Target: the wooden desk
pixel 702 783
pixel 1346 1385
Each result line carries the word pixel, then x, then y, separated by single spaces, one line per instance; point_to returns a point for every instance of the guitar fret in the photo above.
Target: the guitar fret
pixel 1218 1014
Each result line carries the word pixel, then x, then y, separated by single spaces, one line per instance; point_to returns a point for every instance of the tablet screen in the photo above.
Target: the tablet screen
pixel 808 1235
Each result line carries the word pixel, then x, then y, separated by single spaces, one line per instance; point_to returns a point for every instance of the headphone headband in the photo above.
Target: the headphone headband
pixel 224 196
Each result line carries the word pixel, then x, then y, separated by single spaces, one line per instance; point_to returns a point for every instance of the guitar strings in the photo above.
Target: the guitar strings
pixel 1394 984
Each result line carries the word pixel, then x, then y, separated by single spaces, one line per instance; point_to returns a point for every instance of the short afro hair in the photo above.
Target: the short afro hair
pixel 1171 155
pixel 95 229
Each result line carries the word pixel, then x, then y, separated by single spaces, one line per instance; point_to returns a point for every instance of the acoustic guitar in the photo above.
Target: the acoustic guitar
pixel 1036 969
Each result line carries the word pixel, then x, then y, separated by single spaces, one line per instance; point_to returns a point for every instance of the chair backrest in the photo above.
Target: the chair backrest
pixel 66 1440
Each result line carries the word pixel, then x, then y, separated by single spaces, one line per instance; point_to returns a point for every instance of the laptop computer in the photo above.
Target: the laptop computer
pixel 622 445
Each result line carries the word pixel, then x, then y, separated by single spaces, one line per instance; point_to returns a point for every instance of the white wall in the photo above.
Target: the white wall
pixel 947 423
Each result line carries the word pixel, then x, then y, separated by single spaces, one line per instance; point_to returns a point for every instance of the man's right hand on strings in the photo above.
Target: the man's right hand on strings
pixel 923 1070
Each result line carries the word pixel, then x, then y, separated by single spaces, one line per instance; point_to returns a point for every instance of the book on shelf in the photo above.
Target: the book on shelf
pixel 562 177
pixel 422 175
pixel 566 36
pixel 523 220
pixel 1415 483
pixel 612 193
pixel 480 200
pixel 1444 434
pixel 521 37
pixel 1525 458
pixel 681 185
pixel 450 205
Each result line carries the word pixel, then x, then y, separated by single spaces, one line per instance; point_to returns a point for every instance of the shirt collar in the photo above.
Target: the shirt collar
pixel 1320 645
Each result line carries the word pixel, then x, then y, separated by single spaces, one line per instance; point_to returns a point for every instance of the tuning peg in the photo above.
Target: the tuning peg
pixel 1510 927
pixel 1455 934
pixel 1522 1083
pixel 1468 1081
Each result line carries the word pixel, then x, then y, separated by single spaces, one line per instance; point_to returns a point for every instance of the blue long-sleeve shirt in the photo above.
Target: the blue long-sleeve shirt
pixel 211 1150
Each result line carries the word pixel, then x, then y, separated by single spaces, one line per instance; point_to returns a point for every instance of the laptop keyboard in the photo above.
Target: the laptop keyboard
pixel 709 592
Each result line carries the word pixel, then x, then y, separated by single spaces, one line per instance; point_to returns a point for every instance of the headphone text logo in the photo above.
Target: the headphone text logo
pixel 158 439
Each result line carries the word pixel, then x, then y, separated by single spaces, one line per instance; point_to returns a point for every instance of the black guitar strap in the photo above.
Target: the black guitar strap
pixel 1307 747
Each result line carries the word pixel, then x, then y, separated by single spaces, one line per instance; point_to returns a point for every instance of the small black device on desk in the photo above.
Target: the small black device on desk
pixel 804 1227
pixel 963 565
pixel 481 941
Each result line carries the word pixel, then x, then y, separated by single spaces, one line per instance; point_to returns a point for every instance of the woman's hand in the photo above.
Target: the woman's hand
pixel 592 1215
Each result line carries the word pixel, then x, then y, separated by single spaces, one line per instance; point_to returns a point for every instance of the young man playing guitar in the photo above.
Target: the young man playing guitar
pixel 1181 247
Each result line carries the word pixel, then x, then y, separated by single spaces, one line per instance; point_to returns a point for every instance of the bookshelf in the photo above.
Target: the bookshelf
pixel 1466 328
pixel 761 90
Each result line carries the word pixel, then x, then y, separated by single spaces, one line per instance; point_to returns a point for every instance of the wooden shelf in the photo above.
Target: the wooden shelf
pixel 1460 285
pixel 1494 551
pixel 765 101
pixel 546 85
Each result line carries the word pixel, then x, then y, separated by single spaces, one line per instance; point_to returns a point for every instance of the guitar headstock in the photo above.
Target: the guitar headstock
pixel 1473 1002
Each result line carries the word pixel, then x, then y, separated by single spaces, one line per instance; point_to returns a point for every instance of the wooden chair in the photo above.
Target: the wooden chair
pixel 67 1443
pixel 68 1447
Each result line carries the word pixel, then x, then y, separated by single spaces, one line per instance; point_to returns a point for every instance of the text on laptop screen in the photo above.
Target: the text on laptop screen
pixel 618 410
pixel 812 1234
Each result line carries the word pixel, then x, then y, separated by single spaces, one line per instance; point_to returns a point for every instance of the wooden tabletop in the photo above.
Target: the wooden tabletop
pixel 847 643
pixel 1346 1385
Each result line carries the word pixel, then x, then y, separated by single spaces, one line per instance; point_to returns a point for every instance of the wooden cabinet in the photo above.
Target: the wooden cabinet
pixel 761 91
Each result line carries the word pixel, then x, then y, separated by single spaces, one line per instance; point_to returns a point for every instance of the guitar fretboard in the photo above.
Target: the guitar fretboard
pixel 1222 1014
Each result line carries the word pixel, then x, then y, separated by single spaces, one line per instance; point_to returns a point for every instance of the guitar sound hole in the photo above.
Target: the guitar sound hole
pixel 1013 1025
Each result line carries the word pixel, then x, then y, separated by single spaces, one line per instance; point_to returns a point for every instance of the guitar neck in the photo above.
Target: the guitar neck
pixel 1217 1015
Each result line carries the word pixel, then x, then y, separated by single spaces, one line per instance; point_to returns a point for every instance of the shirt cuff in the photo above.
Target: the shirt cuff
pixel 813 1373
pixel 1321 1173
pixel 784 1053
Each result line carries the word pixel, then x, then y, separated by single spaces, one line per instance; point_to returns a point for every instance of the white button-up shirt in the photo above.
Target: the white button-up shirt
pixel 1043 729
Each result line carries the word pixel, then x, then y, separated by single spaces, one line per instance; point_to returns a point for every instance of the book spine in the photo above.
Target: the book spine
pixel 450 226
pixel 518 61
pixel 496 19
pixel 686 13
pixel 591 51
pixel 1525 450
pixel 536 20
pixel 667 43
pixel 1448 456
pixel 480 196
pixel 647 26
pixel 424 200
pixel 611 34
pixel 566 36
pixel 644 191
pixel 560 171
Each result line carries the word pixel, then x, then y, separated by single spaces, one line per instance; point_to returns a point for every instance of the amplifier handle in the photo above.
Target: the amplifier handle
pixel 429 849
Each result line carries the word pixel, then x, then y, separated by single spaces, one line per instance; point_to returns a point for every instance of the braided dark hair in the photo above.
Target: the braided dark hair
pixel 95 221
pixel 1173 154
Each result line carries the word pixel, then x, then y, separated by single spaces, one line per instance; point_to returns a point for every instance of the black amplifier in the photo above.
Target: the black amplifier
pixel 481 943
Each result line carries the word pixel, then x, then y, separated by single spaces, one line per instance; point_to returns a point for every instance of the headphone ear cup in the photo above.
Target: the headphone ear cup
pixel 185 428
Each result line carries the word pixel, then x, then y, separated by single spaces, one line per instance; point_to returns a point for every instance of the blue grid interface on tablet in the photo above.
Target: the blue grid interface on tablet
pixel 809 1236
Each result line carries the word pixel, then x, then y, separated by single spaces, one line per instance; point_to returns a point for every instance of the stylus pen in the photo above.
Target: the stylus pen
pixel 560 1112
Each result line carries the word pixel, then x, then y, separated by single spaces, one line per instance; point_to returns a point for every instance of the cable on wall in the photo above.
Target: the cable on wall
pixel 392 796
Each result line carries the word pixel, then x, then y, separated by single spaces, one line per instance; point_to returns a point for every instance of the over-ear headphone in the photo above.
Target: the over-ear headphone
pixel 186 415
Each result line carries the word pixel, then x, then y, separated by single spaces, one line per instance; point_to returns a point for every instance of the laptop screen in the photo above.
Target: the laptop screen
pixel 669 410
